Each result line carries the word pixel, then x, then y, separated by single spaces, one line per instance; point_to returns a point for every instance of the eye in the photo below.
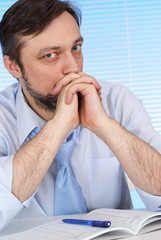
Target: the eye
pixel 77 48
pixel 50 56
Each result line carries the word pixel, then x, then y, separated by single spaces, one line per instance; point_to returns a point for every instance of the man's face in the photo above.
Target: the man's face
pixel 48 57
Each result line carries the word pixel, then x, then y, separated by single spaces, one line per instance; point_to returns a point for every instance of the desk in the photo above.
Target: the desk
pixel 20 225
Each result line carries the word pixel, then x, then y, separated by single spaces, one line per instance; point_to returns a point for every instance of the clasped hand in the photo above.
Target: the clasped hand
pixel 79 101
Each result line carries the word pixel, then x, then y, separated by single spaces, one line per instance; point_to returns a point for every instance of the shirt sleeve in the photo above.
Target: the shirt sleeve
pixel 134 117
pixel 10 206
pixel 141 126
pixel 152 203
pixel 129 111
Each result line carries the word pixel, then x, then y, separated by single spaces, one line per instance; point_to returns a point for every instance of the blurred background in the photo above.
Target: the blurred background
pixel 123 44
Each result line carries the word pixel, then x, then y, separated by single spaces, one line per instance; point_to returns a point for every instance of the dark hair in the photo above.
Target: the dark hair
pixel 27 17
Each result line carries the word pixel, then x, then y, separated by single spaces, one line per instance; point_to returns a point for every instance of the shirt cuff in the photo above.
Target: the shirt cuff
pixel 152 202
pixel 8 201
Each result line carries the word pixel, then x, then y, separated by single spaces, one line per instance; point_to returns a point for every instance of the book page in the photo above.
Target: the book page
pixel 151 224
pixel 126 219
pixel 58 230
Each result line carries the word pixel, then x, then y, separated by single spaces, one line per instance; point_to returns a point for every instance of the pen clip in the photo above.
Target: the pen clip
pixel 103 224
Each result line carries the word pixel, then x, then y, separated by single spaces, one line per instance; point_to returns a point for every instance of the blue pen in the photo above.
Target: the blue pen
pixel 102 224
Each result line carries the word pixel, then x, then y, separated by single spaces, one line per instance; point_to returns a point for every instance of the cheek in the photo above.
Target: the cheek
pixel 42 78
pixel 32 72
pixel 81 64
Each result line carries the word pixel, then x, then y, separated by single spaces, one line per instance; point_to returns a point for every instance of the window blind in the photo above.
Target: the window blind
pixel 123 44
pixel 5 77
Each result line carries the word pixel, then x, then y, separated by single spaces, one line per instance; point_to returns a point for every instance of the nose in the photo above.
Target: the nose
pixel 70 64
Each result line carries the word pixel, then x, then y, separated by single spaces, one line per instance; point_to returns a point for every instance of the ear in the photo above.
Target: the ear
pixel 12 67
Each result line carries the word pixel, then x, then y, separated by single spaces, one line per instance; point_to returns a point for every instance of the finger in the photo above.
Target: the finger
pixel 72 77
pixel 99 92
pixel 63 82
pixel 82 88
pixel 90 79
pixel 87 79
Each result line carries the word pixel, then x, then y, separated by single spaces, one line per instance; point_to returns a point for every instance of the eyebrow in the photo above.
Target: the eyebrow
pixel 44 50
pixel 78 40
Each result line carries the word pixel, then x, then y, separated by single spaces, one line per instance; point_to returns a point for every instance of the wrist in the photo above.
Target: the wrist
pixel 60 127
pixel 106 128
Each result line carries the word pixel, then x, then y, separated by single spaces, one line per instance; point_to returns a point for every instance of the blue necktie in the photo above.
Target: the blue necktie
pixel 68 195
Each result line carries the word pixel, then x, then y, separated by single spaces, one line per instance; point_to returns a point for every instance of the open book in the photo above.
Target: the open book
pixel 123 223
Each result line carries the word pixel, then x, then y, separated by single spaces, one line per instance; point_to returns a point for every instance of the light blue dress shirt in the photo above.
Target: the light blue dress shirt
pixel 98 172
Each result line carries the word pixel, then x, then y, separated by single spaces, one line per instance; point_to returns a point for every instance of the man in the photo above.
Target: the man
pixel 41 44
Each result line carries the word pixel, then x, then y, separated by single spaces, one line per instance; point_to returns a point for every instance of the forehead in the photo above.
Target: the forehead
pixel 60 32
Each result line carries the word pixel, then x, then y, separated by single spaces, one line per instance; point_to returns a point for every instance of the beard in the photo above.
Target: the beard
pixel 47 102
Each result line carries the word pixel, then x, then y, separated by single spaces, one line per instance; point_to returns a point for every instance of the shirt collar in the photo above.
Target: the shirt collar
pixel 27 119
